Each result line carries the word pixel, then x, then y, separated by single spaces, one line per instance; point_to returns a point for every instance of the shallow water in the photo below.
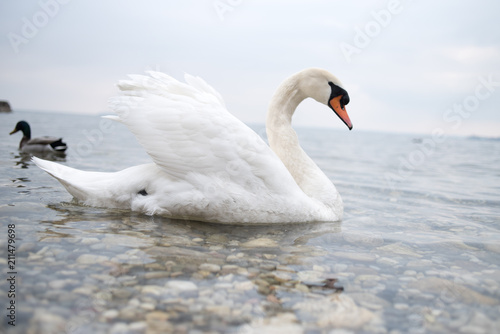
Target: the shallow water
pixel 418 249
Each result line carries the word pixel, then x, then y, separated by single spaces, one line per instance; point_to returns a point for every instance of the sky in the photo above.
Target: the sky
pixel 413 66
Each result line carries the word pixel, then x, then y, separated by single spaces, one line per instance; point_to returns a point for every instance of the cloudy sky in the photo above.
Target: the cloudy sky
pixel 408 65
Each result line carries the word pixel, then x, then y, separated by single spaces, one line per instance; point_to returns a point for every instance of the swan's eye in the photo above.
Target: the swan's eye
pixel 142 192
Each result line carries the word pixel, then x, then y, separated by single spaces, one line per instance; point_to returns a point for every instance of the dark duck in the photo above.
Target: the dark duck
pixel 40 144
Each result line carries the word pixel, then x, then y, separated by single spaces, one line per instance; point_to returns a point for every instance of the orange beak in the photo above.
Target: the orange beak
pixel 341 112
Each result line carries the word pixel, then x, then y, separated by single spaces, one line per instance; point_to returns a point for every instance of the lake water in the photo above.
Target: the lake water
pixel 418 250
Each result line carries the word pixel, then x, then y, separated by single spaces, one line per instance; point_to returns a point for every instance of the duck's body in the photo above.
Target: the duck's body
pixel 37 145
pixel 208 165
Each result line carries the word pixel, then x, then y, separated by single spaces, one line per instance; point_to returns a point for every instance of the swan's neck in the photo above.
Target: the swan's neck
pixel 284 142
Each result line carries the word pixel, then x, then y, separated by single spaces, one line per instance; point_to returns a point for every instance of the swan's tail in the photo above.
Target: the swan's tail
pixel 78 183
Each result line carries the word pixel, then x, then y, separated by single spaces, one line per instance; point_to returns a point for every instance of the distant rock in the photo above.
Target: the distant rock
pixel 5 106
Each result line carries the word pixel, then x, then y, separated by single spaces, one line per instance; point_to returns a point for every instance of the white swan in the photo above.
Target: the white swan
pixel 208 165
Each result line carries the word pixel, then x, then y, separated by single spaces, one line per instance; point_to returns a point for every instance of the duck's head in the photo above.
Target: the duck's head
pixel 24 127
pixel 326 88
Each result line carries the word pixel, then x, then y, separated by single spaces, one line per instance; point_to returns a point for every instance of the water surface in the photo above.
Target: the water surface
pixel 418 250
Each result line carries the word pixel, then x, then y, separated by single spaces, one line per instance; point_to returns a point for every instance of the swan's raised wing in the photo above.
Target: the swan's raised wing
pixel 187 130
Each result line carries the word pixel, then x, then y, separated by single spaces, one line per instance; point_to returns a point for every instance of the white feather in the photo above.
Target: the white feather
pixel 208 165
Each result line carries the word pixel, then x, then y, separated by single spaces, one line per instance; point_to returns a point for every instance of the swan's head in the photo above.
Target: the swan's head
pixel 326 88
